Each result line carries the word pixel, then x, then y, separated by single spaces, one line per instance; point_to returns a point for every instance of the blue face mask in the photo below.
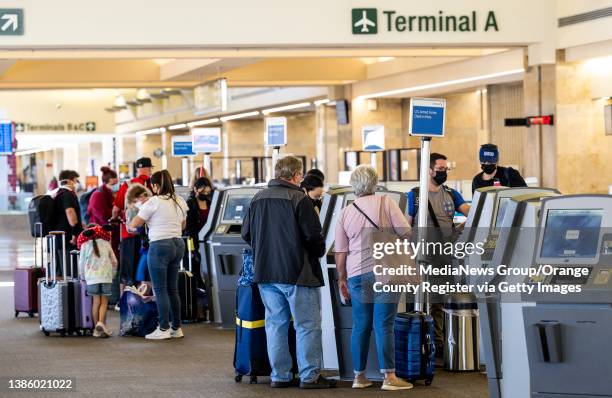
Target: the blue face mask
pixel 115 188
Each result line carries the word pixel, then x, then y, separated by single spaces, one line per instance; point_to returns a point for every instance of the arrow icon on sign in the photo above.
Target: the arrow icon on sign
pixel 11 19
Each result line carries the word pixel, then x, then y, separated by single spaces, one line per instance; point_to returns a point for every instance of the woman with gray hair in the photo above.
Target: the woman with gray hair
pixel 356 276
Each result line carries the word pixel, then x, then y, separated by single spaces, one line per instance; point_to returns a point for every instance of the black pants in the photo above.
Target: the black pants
pixel 129 253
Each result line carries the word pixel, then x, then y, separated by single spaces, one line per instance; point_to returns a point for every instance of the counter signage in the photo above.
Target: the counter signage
pixel 6 137
pixel 206 140
pixel 373 138
pixel 11 21
pixel 427 117
pixel 276 131
pixel 182 146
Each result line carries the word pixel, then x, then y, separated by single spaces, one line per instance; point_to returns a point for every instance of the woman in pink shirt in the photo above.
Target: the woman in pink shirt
pixel 356 277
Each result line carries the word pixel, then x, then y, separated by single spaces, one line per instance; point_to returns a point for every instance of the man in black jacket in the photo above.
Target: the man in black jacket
pixel 283 230
pixel 492 172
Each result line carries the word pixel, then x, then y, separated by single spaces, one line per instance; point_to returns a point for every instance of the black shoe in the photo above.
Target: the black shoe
pixel 282 384
pixel 319 384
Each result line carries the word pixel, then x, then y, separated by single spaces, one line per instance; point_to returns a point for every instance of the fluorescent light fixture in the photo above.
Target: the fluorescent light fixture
pixel 150 131
pixel 331 103
pixel 203 122
pixel 441 84
pixel 36 150
pixel 239 116
pixel 179 126
pixel 286 108
pixel 321 102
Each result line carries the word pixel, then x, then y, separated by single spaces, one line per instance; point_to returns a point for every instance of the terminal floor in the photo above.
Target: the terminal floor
pixel 200 365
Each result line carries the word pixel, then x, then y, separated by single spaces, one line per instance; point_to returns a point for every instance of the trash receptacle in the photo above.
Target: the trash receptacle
pixel 461 333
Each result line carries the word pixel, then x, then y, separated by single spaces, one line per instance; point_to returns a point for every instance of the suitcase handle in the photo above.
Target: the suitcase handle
pixel 188 246
pixel 63 235
pixel 38 227
pixel 75 254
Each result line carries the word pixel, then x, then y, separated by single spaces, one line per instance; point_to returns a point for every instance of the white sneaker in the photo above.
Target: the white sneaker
pixel 396 384
pixel 159 334
pixel 177 334
pixel 100 331
pixel 117 308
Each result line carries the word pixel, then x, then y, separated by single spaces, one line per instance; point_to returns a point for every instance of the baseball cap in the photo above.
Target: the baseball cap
pixel 489 153
pixel 143 162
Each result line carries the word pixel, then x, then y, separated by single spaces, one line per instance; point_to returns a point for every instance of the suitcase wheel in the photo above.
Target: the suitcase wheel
pixel 253 380
pixel 46 333
pixel 238 378
pixel 63 333
pixel 16 314
pixel 428 382
pixel 31 314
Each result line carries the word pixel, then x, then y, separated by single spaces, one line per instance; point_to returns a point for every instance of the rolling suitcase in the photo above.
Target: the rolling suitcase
pixel 85 302
pixel 26 280
pixel 415 349
pixel 187 283
pixel 58 298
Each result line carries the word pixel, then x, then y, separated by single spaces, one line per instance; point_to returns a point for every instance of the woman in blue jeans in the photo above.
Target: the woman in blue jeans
pixel 165 215
pixel 356 277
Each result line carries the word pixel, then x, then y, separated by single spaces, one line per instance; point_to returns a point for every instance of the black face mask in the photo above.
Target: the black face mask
pixel 488 168
pixel 203 196
pixel 440 177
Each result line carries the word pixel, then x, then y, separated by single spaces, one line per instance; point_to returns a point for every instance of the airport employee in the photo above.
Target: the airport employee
pixel 491 172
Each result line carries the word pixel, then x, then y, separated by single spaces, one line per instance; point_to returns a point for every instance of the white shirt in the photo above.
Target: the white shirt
pixel 164 217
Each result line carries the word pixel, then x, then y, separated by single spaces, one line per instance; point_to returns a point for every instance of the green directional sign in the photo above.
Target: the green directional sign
pixel 11 21
pixel 365 21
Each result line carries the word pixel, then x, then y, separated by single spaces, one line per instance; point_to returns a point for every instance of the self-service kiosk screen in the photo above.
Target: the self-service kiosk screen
pixel 571 233
pixel 501 211
pixel 236 208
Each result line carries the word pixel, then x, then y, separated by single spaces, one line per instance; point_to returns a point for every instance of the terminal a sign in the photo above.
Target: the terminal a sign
pixel 83 126
pixel 366 21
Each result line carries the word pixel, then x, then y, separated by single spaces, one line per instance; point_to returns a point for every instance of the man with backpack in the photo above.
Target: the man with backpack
pixel 492 173
pixel 67 214
pixel 130 243
pixel 443 203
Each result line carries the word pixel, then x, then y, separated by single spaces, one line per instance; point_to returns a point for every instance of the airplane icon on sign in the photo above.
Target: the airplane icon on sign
pixel 366 23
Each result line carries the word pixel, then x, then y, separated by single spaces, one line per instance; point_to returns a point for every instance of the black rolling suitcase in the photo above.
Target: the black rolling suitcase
pixel 188 285
pixel 415 351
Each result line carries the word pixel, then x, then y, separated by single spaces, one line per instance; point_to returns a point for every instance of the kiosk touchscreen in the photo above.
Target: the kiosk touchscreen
pixel 224 249
pixel 568 329
pixel 336 314
pixel 503 343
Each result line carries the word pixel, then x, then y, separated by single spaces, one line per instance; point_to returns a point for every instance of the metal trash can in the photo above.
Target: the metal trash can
pixel 461 333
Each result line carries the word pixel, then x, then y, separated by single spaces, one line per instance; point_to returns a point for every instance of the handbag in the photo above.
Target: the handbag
pixel 395 265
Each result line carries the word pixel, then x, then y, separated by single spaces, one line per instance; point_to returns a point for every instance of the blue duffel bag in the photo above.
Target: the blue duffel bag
pixel 139 315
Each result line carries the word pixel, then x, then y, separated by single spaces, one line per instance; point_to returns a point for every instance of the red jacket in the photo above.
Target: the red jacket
pixel 100 207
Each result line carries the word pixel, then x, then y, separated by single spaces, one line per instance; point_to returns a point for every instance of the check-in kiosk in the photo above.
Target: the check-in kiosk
pixel 568 335
pixel 336 314
pixel 503 343
pixel 223 248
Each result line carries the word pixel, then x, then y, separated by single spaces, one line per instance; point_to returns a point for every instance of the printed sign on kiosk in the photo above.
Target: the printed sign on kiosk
pixel 276 131
pixel 427 117
pixel 206 140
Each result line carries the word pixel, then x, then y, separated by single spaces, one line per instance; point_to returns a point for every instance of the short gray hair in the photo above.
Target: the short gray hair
pixel 287 166
pixel 364 180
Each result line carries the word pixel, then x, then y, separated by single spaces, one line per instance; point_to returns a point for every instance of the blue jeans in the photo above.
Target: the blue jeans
pixel 164 262
pixel 303 303
pixel 371 309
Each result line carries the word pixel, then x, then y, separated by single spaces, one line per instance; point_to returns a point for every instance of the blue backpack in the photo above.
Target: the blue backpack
pixel 247 272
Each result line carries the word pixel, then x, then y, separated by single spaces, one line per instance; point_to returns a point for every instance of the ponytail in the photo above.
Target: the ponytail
pixel 95 247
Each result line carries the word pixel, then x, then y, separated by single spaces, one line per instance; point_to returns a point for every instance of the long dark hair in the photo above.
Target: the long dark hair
pixel 163 180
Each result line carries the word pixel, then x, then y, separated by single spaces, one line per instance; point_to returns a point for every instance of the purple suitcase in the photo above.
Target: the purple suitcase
pixel 85 302
pixel 26 282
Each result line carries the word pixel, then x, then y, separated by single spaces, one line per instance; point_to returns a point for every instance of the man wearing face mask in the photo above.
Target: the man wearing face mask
pixel 492 173
pixel 443 203
pixel 67 214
